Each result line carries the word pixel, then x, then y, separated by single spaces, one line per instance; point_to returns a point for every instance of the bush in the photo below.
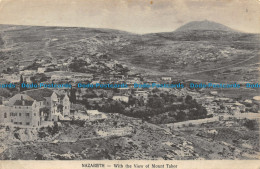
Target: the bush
pixel 42 134
pixel 79 123
pixel 53 130
pixel 17 136
pixel 251 124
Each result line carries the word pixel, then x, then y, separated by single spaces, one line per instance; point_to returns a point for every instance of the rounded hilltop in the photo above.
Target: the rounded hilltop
pixel 204 25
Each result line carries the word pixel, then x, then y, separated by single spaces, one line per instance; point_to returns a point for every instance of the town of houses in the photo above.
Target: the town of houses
pixel 40 107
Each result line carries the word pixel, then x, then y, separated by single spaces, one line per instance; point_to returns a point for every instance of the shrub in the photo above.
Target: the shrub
pixel 251 124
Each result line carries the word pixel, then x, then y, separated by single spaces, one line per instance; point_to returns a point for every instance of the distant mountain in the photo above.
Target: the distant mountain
pixel 202 31
pixel 204 25
pixel 194 47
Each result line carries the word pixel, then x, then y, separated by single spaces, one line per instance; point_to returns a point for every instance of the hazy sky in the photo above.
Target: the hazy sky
pixel 138 16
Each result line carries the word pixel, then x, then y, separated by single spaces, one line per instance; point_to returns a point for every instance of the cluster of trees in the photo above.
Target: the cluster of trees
pixel 159 109
pixel 114 107
pixel 121 69
pixel 5 92
pixel 78 65
pixel 9 71
pixel 54 129
pixel 44 132
pixel 38 78
pixel 251 124
pixel 33 66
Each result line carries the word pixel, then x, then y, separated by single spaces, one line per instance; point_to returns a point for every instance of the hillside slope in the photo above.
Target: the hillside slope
pixel 194 47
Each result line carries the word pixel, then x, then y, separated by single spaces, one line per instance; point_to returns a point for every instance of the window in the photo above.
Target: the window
pixel 20 114
pixel 5 115
pixel 15 122
pixel 19 107
pixel 21 123
pixel 65 107
pixel 11 120
pixel 27 123
pixel 27 114
pixel 34 114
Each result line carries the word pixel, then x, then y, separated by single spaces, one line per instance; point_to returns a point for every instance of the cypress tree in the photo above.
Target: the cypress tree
pixel 21 81
pixel 72 95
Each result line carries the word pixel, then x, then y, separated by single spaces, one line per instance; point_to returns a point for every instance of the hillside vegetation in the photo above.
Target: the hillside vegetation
pixel 203 47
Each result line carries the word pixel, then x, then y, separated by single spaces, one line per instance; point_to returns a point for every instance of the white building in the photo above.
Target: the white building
pixel 41 69
pixel 166 78
pixel 121 98
pixel 96 115
pixel 12 78
pixel 32 107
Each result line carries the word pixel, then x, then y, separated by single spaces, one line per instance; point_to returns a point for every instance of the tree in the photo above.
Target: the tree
pixel 60 108
pixel 155 102
pixel 188 99
pixel 78 65
pixel 21 82
pixel 43 78
pixel 132 100
pixel 113 107
pixel 55 128
pixel 181 116
pixel 251 124
pixel 72 95
pixel 4 92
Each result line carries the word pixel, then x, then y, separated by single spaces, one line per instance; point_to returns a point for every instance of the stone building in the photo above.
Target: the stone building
pixel 33 107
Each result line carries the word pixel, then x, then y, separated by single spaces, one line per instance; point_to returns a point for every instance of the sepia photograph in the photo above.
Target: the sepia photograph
pixel 106 83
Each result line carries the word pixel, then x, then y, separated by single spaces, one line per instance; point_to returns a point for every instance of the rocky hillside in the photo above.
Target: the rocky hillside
pixel 194 47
